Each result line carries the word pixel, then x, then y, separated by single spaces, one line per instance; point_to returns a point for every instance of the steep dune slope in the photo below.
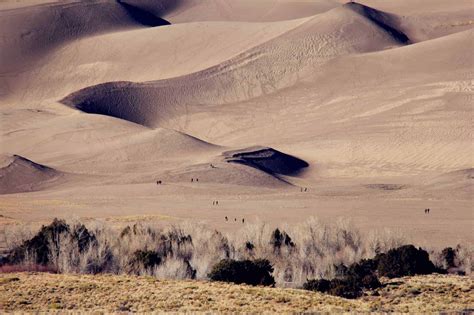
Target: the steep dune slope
pixel 263 70
pixel 23 175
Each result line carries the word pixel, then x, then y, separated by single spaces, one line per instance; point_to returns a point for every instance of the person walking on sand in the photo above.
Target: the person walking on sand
pixel 243 220
pixel 226 218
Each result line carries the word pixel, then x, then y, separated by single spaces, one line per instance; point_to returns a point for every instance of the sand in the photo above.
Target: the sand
pixel 376 97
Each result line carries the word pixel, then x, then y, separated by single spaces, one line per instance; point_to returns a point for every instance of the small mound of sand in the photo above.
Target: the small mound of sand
pixel 254 166
pixel 23 175
pixel 222 173
pixel 268 160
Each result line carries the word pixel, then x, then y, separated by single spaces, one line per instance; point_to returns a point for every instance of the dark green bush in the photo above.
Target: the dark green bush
pixel 345 288
pixel 320 285
pixel 253 272
pixel 350 281
pixel 404 261
pixel 362 274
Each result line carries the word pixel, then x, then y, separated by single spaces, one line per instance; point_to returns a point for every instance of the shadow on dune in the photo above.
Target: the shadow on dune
pixel 267 160
pixel 385 21
pixel 142 16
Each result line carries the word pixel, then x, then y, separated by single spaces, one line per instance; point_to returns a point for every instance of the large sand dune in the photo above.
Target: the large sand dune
pixel 262 70
pixel 374 96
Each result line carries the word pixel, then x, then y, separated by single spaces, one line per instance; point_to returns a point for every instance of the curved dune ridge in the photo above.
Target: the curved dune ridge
pixel 274 65
pixel 23 175
pixel 30 32
pixel 268 160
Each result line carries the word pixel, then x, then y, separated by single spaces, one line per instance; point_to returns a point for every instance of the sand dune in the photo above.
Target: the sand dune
pixel 23 175
pixel 271 66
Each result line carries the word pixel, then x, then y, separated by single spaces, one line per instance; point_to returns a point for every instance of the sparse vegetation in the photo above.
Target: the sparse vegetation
pixel 312 250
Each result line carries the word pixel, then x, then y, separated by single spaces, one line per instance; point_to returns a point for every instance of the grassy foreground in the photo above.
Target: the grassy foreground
pixel 44 291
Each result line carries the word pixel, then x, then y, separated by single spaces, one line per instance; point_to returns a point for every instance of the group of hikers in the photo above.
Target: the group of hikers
pixel 159 182
pixel 304 189
pixel 235 219
pixel 427 211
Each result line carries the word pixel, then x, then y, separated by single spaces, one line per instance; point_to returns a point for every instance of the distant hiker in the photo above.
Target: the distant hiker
pixel 192 180
pixel 243 220
pixel 226 218
pixel 197 179
pixel 428 210
pixel 212 166
pixel 306 189
pixel 217 202
pixel 235 219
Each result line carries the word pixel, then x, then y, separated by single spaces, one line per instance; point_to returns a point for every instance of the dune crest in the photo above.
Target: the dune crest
pixel 268 160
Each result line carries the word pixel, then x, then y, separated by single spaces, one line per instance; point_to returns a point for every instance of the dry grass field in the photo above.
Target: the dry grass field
pixel 49 292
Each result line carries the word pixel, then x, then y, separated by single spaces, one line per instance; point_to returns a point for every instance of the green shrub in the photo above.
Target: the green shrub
pixel 350 282
pixel 404 261
pixel 362 274
pixel 345 288
pixel 320 285
pixel 253 272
